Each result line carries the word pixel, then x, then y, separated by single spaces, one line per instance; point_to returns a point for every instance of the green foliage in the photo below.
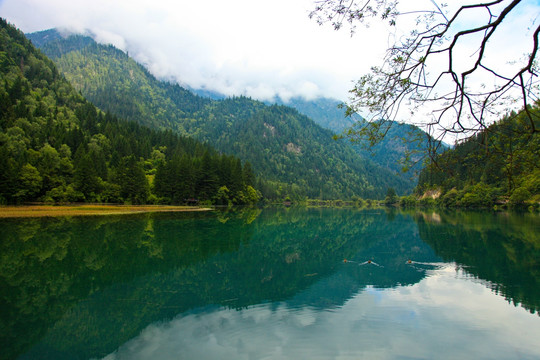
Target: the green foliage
pixel 451 198
pixel 288 151
pixel 212 177
pixel 408 201
pixel 401 150
pixel 132 180
pixel 106 75
pixel 222 196
pixel 30 183
pixel 391 197
pixel 57 147
pixel 251 195
pixel 520 196
pixel 499 165
pixel 427 202
pixel 479 195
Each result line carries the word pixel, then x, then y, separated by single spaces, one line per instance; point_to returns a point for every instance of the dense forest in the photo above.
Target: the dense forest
pixel 55 146
pixel 500 165
pixel 297 157
pixel 111 80
pixel 402 151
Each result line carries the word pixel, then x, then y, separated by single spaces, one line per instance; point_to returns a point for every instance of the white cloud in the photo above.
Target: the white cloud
pixel 256 48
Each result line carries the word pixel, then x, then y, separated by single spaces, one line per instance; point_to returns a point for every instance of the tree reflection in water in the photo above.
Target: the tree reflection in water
pixel 84 286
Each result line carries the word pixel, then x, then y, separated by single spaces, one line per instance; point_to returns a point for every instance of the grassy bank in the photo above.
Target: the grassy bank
pixel 86 209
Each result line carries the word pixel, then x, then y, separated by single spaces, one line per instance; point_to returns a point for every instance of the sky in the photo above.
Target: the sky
pixel 257 48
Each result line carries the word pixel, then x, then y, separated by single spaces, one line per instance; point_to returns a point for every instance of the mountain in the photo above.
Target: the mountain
pixel 106 76
pixel 55 146
pixel 403 147
pixel 297 157
pixel 324 111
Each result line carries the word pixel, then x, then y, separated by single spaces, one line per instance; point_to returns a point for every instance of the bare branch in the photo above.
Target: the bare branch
pixel 403 78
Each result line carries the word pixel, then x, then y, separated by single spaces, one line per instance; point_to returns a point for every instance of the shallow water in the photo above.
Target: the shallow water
pixel 272 284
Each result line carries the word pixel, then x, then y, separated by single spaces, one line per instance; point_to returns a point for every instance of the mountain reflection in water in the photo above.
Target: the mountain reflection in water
pixel 184 285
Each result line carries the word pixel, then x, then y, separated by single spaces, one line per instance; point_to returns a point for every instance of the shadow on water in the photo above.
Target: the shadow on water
pixel 81 287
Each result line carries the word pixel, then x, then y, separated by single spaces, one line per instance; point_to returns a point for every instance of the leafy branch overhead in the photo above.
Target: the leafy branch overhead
pixel 450 65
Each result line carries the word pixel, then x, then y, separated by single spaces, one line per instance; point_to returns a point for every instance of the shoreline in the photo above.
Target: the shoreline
pixel 28 211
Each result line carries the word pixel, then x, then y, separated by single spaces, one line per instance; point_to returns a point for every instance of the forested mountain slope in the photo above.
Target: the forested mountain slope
pixel 501 164
pixel 323 111
pixel 55 146
pixel 297 156
pixel 403 148
pixel 110 79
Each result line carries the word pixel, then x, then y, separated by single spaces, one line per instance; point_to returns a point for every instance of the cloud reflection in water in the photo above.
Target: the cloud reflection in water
pixel 445 314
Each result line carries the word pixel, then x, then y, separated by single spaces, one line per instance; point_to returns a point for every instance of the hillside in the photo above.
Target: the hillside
pixel 295 155
pixel 323 111
pixel 402 148
pixel 500 165
pixel 55 146
pixel 106 76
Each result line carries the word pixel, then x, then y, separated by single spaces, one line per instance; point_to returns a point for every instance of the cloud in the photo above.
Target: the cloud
pixel 258 48
pixel 255 48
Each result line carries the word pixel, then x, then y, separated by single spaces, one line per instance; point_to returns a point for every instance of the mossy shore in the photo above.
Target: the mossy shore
pixel 87 209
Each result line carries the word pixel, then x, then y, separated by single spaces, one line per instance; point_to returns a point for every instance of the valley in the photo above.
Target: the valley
pixel 322 168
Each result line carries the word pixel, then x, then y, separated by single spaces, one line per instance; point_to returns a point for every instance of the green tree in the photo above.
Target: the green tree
pixel 451 198
pixel 8 176
pixel 252 196
pixel 479 195
pixel 222 196
pixel 236 181
pixel 488 167
pixel 131 178
pixel 248 175
pixel 281 145
pixel 391 196
pixel 520 196
pixel 43 119
pixel 175 179
pixel 29 183
pixel 86 179
pixel 207 179
pixel 49 166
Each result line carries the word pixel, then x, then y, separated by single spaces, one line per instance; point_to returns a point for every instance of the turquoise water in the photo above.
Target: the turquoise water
pixel 272 284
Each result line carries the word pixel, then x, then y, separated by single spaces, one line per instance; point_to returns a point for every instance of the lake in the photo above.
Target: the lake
pixel 284 283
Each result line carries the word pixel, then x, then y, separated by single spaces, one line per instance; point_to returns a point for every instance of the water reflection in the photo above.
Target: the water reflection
pixel 49 267
pixel 500 248
pixel 440 317
pixel 82 287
